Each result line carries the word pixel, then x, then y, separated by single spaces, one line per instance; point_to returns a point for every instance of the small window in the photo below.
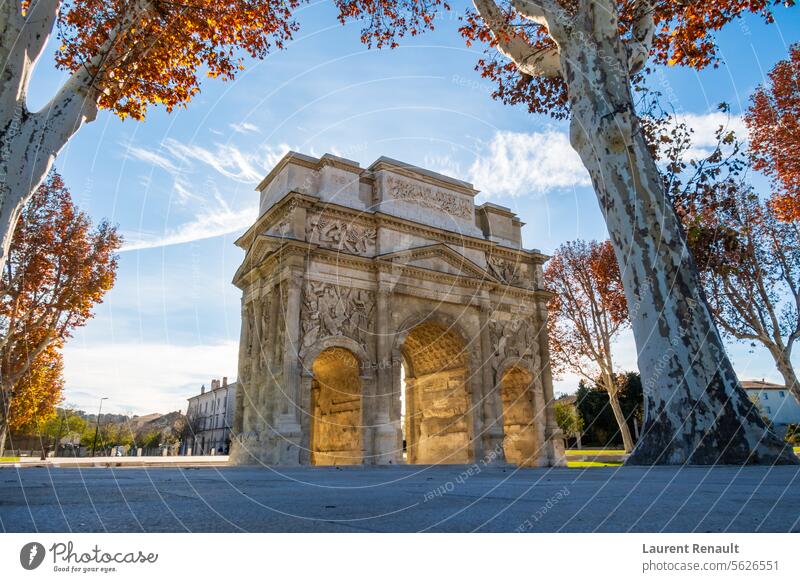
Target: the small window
pixel 766 396
pixel 781 393
pixel 768 409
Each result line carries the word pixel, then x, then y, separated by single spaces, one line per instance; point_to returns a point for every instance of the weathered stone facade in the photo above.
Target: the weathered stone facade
pixel 386 319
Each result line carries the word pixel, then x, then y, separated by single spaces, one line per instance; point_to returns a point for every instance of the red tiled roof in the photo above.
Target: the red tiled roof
pixel 761 385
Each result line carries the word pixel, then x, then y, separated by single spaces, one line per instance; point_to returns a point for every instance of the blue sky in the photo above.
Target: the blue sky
pixel 181 185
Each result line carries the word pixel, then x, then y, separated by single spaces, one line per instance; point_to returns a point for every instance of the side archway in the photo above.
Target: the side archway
pixel 336 408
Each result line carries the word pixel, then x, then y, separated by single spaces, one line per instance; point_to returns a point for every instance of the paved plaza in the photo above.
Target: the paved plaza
pixel 456 498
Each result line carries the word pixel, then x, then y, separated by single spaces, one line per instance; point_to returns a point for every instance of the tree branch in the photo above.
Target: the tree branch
pixel 528 60
pixel 542 12
pixel 23 40
pixel 639 46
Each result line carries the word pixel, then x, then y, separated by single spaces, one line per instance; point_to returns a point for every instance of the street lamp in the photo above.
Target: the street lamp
pixel 97 424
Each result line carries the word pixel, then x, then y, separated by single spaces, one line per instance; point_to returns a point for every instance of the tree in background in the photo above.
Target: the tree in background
pixel 576 59
pixel 569 420
pixel 54 427
pixel 585 315
pixel 58 269
pixel 752 275
pixel 38 392
pixel 773 120
pixel 592 402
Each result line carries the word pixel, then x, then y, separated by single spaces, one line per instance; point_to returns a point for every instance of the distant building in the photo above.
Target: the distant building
pixel 210 418
pixel 776 401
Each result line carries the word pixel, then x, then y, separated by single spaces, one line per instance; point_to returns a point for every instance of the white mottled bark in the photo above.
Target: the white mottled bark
pixel 537 63
pixel 30 141
pixel 695 409
pixel 786 370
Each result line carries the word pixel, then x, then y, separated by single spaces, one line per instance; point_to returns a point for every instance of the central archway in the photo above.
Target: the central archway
pixel 437 410
pixel 336 407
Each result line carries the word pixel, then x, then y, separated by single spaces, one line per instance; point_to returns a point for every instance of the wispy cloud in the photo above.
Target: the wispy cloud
pixel 237 163
pixel 244 127
pixel 225 159
pixel 520 164
pixel 213 215
pixel 143 377
pixel 150 157
pixel 208 223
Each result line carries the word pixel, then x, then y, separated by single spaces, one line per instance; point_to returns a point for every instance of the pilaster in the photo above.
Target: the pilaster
pixel 492 403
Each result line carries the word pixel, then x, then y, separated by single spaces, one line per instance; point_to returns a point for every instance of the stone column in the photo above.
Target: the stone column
pixel 307 421
pixel 288 427
pixel 554 439
pixel 492 403
pixel 243 439
pixel 266 321
pixel 412 419
pixel 244 373
pixel 385 429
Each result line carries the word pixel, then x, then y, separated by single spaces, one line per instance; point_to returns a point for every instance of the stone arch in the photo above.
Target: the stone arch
pixel 336 408
pixel 436 359
pixel 307 356
pixel 520 423
pixel 442 319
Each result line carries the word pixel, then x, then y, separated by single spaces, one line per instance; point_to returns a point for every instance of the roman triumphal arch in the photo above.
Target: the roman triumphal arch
pixel 386 319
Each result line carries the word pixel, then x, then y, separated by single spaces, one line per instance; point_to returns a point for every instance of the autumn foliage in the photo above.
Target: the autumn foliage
pixel 58 269
pixel 586 312
pixel 684 35
pixel 38 392
pixel 588 305
pixel 773 121
pixel 142 52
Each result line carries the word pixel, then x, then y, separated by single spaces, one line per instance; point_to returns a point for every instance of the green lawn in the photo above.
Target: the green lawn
pixel 9 459
pixel 595 452
pixel 584 464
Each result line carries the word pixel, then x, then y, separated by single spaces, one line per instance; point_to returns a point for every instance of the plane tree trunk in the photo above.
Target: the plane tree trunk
pixel 786 370
pixel 695 409
pixel 627 441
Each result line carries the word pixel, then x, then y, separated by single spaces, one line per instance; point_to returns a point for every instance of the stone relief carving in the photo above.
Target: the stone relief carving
pixel 330 310
pixel 341 235
pixel 508 272
pixel 429 197
pixel 516 338
pixel 283 227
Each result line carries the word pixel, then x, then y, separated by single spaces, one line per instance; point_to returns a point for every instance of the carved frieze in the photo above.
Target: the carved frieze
pixel 330 310
pixel 516 339
pixel 509 272
pixel 342 235
pixel 429 197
